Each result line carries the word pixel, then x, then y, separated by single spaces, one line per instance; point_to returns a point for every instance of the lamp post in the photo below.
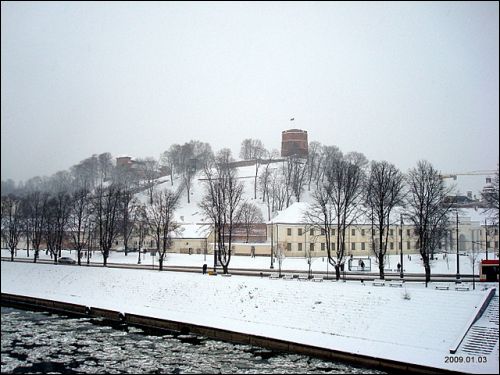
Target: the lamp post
pixel 401 274
pixel 458 256
pixel 272 245
pixel 215 250
pixel 486 243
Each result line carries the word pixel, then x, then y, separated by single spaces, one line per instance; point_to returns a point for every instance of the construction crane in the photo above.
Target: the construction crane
pixel 485 172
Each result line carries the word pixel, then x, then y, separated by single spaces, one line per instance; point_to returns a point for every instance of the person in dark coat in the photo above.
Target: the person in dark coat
pixel 205 268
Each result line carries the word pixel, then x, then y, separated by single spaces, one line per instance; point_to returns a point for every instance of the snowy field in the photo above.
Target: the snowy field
pixel 441 265
pixel 411 324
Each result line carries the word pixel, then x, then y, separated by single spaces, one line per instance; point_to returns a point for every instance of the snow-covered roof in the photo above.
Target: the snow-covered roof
pixel 294 214
pixel 192 231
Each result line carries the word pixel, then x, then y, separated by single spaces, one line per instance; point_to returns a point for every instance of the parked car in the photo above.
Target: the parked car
pixel 66 260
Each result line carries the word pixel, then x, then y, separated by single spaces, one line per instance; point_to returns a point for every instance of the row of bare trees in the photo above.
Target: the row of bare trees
pixel 86 219
pixel 65 208
pixel 352 191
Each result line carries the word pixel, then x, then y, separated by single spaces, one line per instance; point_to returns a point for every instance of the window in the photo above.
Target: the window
pixel 311 247
pixel 322 246
pixel 116 242
pixel 299 230
pixel 391 232
pixel 400 232
pixel 353 232
pixel 332 246
pixel 362 245
pixel 289 247
pixel 300 246
pixel 333 232
pixel 400 246
pixel 311 232
pixel 408 232
pixel 487 244
pixel 288 231
pixel 408 245
pixel 392 245
pixel 322 232
pixel 362 232
pixel 353 246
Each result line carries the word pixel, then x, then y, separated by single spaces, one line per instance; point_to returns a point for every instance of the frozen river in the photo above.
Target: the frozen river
pixel 42 342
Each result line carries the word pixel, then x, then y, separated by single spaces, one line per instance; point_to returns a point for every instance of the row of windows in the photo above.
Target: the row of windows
pixel 363 232
pixel 354 246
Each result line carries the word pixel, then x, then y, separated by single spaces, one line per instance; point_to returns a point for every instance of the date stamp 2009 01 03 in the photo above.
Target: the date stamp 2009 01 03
pixel 465 359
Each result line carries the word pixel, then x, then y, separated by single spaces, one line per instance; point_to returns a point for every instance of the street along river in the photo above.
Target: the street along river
pixel 42 342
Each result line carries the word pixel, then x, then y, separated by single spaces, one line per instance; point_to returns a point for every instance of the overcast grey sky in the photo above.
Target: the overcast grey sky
pixel 396 81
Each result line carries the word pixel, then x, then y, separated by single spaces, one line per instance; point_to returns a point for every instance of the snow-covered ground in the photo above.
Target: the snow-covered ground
pixel 441 265
pixel 411 324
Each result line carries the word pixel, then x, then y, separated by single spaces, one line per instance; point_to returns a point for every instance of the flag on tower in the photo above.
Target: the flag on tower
pixel 293 118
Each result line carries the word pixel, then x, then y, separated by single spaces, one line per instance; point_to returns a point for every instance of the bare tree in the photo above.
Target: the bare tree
pixel 337 203
pixel 8 187
pixel 35 203
pixel 11 222
pixel 321 217
pixel 253 149
pixel 79 219
pixel 278 191
pixel 280 256
pixel 169 158
pixel 384 191
pixel 150 172
pixel 161 215
pixel 106 210
pixel 295 174
pixel 247 216
pixel 328 155
pixel 357 158
pixel 264 178
pixel 426 209
pixel 313 159
pixel 105 166
pixel 141 228
pixel 223 193
pixel 88 170
pixel 490 197
pixel 202 152
pixel 58 210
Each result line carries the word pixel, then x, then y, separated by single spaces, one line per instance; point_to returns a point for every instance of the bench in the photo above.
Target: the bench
pixel 274 276
pixel 317 279
pixel 396 284
pixel 288 277
pixel 226 274
pixel 303 278
pixel 378 283
pixel 442 287
pixel 464 288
